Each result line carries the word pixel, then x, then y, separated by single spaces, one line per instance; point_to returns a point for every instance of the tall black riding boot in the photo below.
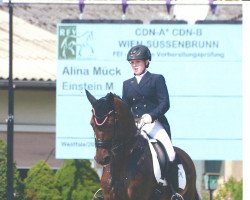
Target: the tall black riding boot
pixel 174 176
pixel 174 180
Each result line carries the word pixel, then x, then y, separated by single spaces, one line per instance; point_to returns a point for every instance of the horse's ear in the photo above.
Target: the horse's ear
pixel 111 97
pixel 90 97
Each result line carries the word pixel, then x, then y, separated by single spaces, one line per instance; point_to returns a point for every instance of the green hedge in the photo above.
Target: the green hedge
pixel 77 180
pixel 18 186
pixel 40 183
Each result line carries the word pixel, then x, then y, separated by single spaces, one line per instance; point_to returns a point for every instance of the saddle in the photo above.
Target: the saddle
pixel 165 163
pixel 165 167
pixel 162 156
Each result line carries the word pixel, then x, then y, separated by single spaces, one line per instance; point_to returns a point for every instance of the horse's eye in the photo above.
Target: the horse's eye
pixel 111 121
pixel 109 124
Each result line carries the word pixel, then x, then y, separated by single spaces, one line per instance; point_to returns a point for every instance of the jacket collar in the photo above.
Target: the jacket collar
pixel 139 77
pixel 144 79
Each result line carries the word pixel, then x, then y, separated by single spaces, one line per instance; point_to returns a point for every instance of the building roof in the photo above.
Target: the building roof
pixel 34 36
pixel 34 51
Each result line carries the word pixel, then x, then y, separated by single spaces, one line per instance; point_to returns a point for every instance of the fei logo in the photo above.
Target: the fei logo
pixel 73 45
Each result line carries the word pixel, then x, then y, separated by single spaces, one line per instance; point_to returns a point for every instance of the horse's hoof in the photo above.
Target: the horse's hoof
pixel 177 196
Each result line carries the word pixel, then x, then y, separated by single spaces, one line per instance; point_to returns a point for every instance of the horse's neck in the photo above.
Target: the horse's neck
pixel 130 144
pixel 130 139
pixel 127 157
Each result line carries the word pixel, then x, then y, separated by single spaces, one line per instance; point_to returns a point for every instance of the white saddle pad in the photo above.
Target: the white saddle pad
pixel 157 169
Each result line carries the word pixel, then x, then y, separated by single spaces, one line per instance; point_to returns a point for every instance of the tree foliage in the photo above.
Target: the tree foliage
pixel 40 183
pixel 18 186
pixel 77 180
pixel 231 190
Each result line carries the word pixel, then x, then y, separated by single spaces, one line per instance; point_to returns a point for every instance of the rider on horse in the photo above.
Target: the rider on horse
pixel 147 96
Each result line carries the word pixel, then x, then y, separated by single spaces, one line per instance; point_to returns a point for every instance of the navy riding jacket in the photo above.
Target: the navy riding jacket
pixel 149 96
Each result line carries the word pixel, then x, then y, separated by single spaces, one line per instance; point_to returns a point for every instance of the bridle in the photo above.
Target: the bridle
pixel 105 117
pixel 115 144
pixel 111 145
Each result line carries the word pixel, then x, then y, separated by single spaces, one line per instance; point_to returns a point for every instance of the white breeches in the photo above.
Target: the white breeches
pixel 156 131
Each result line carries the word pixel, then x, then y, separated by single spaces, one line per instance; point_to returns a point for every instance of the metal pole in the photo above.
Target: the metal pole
pixel 10 122
pixel 211 194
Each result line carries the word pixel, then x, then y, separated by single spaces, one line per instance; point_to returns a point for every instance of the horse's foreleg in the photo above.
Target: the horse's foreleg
pixel 106 182
pixel 140 189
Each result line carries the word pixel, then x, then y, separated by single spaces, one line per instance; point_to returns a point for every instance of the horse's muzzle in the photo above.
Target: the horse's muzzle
pixel 103 161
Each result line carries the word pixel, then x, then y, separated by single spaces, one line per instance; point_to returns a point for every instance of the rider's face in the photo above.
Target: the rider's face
pixel 138 66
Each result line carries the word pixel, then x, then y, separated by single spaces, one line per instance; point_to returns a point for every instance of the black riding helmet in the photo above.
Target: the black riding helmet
pixel 139 52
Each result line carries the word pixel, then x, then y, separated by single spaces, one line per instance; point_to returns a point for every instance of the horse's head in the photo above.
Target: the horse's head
pixel 112 123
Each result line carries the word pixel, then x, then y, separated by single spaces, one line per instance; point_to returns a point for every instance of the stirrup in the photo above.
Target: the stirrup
pixel 98 196
pixel 177 196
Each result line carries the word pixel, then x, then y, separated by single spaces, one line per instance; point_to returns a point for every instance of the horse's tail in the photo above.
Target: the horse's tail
pixel 190 191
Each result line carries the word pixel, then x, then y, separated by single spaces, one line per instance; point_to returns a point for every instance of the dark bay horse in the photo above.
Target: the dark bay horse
pixel 125 155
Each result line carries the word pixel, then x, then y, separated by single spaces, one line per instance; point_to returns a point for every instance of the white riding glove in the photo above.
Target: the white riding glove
pixel 146 118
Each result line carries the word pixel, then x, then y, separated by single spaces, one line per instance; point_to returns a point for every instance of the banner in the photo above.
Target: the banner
pixel 202 65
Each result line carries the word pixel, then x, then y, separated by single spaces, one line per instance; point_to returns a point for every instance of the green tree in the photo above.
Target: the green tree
pixel 3 170
pixel 18 185
pixel 231 190
pixel 77 180
pixel 40 183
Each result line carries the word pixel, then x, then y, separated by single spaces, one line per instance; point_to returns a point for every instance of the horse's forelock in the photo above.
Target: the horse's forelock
pixel 103 107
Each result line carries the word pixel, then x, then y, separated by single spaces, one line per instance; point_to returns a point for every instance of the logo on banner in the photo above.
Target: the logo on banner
pixel 72 46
